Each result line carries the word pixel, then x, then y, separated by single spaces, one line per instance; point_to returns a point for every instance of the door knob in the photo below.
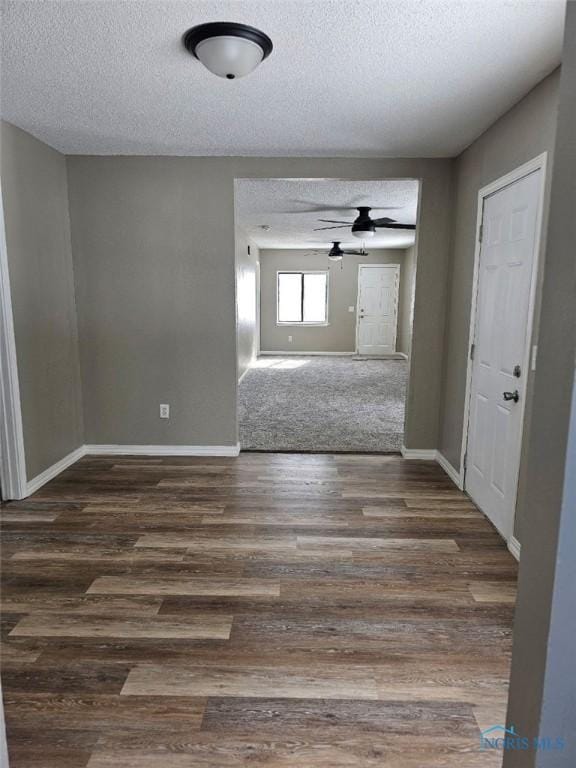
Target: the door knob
pixel 511 395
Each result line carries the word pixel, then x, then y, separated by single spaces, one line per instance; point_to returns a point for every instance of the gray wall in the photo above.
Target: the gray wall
pixel 524 132
pixel 340 334
pixel 35 200
pixel 153 243
pixel 542 694
pixel 406 308
pixel 246 301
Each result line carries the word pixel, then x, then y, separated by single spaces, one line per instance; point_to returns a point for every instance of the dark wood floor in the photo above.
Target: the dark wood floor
pixel 302 611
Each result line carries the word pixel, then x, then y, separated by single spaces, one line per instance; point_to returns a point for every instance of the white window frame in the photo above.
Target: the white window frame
pixel 303 323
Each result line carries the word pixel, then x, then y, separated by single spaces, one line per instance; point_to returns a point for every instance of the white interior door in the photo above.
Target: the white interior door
pixel 377 308
pixel 500 353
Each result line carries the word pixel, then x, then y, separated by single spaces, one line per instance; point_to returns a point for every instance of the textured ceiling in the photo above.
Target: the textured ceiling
pixel 282 204
pixel 376 77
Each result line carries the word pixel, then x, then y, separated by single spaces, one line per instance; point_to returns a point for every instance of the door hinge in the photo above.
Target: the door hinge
pixel 465 462
pixel 472 351
pixel 481 233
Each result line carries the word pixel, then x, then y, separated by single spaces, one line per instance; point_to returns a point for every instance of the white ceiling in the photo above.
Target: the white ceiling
pixel 346 77
pixel 283 204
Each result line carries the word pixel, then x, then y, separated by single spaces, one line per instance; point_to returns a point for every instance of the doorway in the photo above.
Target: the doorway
pixel 509 223
pixel 327 369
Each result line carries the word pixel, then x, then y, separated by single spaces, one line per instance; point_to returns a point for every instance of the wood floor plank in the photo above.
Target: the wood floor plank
pixel 341 718
pixel 276 520
pixel 280 610
pixel 23 516
pixel 31 601
pixel 12 654
pixel 199 543
pixel 493 591
pixel 403 493
pixel 73 677
pixel 65 710
pixel 208 626
pixel 363 543
pixel 323 682
pixel 100 555
pixel 366 750
pixel 112 585
pixel 443 512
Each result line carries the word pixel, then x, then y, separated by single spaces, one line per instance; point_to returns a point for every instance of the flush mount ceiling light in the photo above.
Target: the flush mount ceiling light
pixel 228 49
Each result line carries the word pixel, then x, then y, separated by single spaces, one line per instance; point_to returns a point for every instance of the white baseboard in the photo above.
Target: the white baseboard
pixel 389 356
pixel 242 376
pixel 127 450
pixel 49 474
pixel 302 353
pixel 450 470
pixel 424 454
pixel 431 454
pixel 457 478
pixel 163 450
pixel 514 547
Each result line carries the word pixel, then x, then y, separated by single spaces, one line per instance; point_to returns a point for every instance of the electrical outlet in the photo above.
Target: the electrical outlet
pixel 164 411
pixel 290 339
pixel 350 309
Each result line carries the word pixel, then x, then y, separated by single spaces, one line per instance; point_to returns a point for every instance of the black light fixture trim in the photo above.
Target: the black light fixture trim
pixel 202 32
pixel 363 222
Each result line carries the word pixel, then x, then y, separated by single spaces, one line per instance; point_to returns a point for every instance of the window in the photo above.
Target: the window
pixel 302 297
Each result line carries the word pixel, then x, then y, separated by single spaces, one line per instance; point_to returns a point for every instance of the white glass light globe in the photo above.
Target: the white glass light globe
pixel 229 56
pixel 362 234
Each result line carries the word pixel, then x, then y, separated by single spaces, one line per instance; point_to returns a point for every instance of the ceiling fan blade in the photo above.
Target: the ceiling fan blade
pixel 339 226
pixel 318 209
pixel 333 221
pixel 313 207
pixel 356 253
pixel 383 221
pixel 396 226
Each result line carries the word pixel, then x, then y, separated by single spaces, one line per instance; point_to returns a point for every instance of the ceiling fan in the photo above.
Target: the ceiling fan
pixel 336 253
pixel 364 225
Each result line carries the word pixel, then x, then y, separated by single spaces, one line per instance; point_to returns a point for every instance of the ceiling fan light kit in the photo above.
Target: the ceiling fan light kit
pixel 335 253
pixel 362 233
pixel 228 49
pixel 364 226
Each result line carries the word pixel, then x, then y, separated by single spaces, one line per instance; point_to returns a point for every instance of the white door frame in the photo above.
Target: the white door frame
pixel 257 328
pixel 12 457
pixel 537 163
pixel 396 268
